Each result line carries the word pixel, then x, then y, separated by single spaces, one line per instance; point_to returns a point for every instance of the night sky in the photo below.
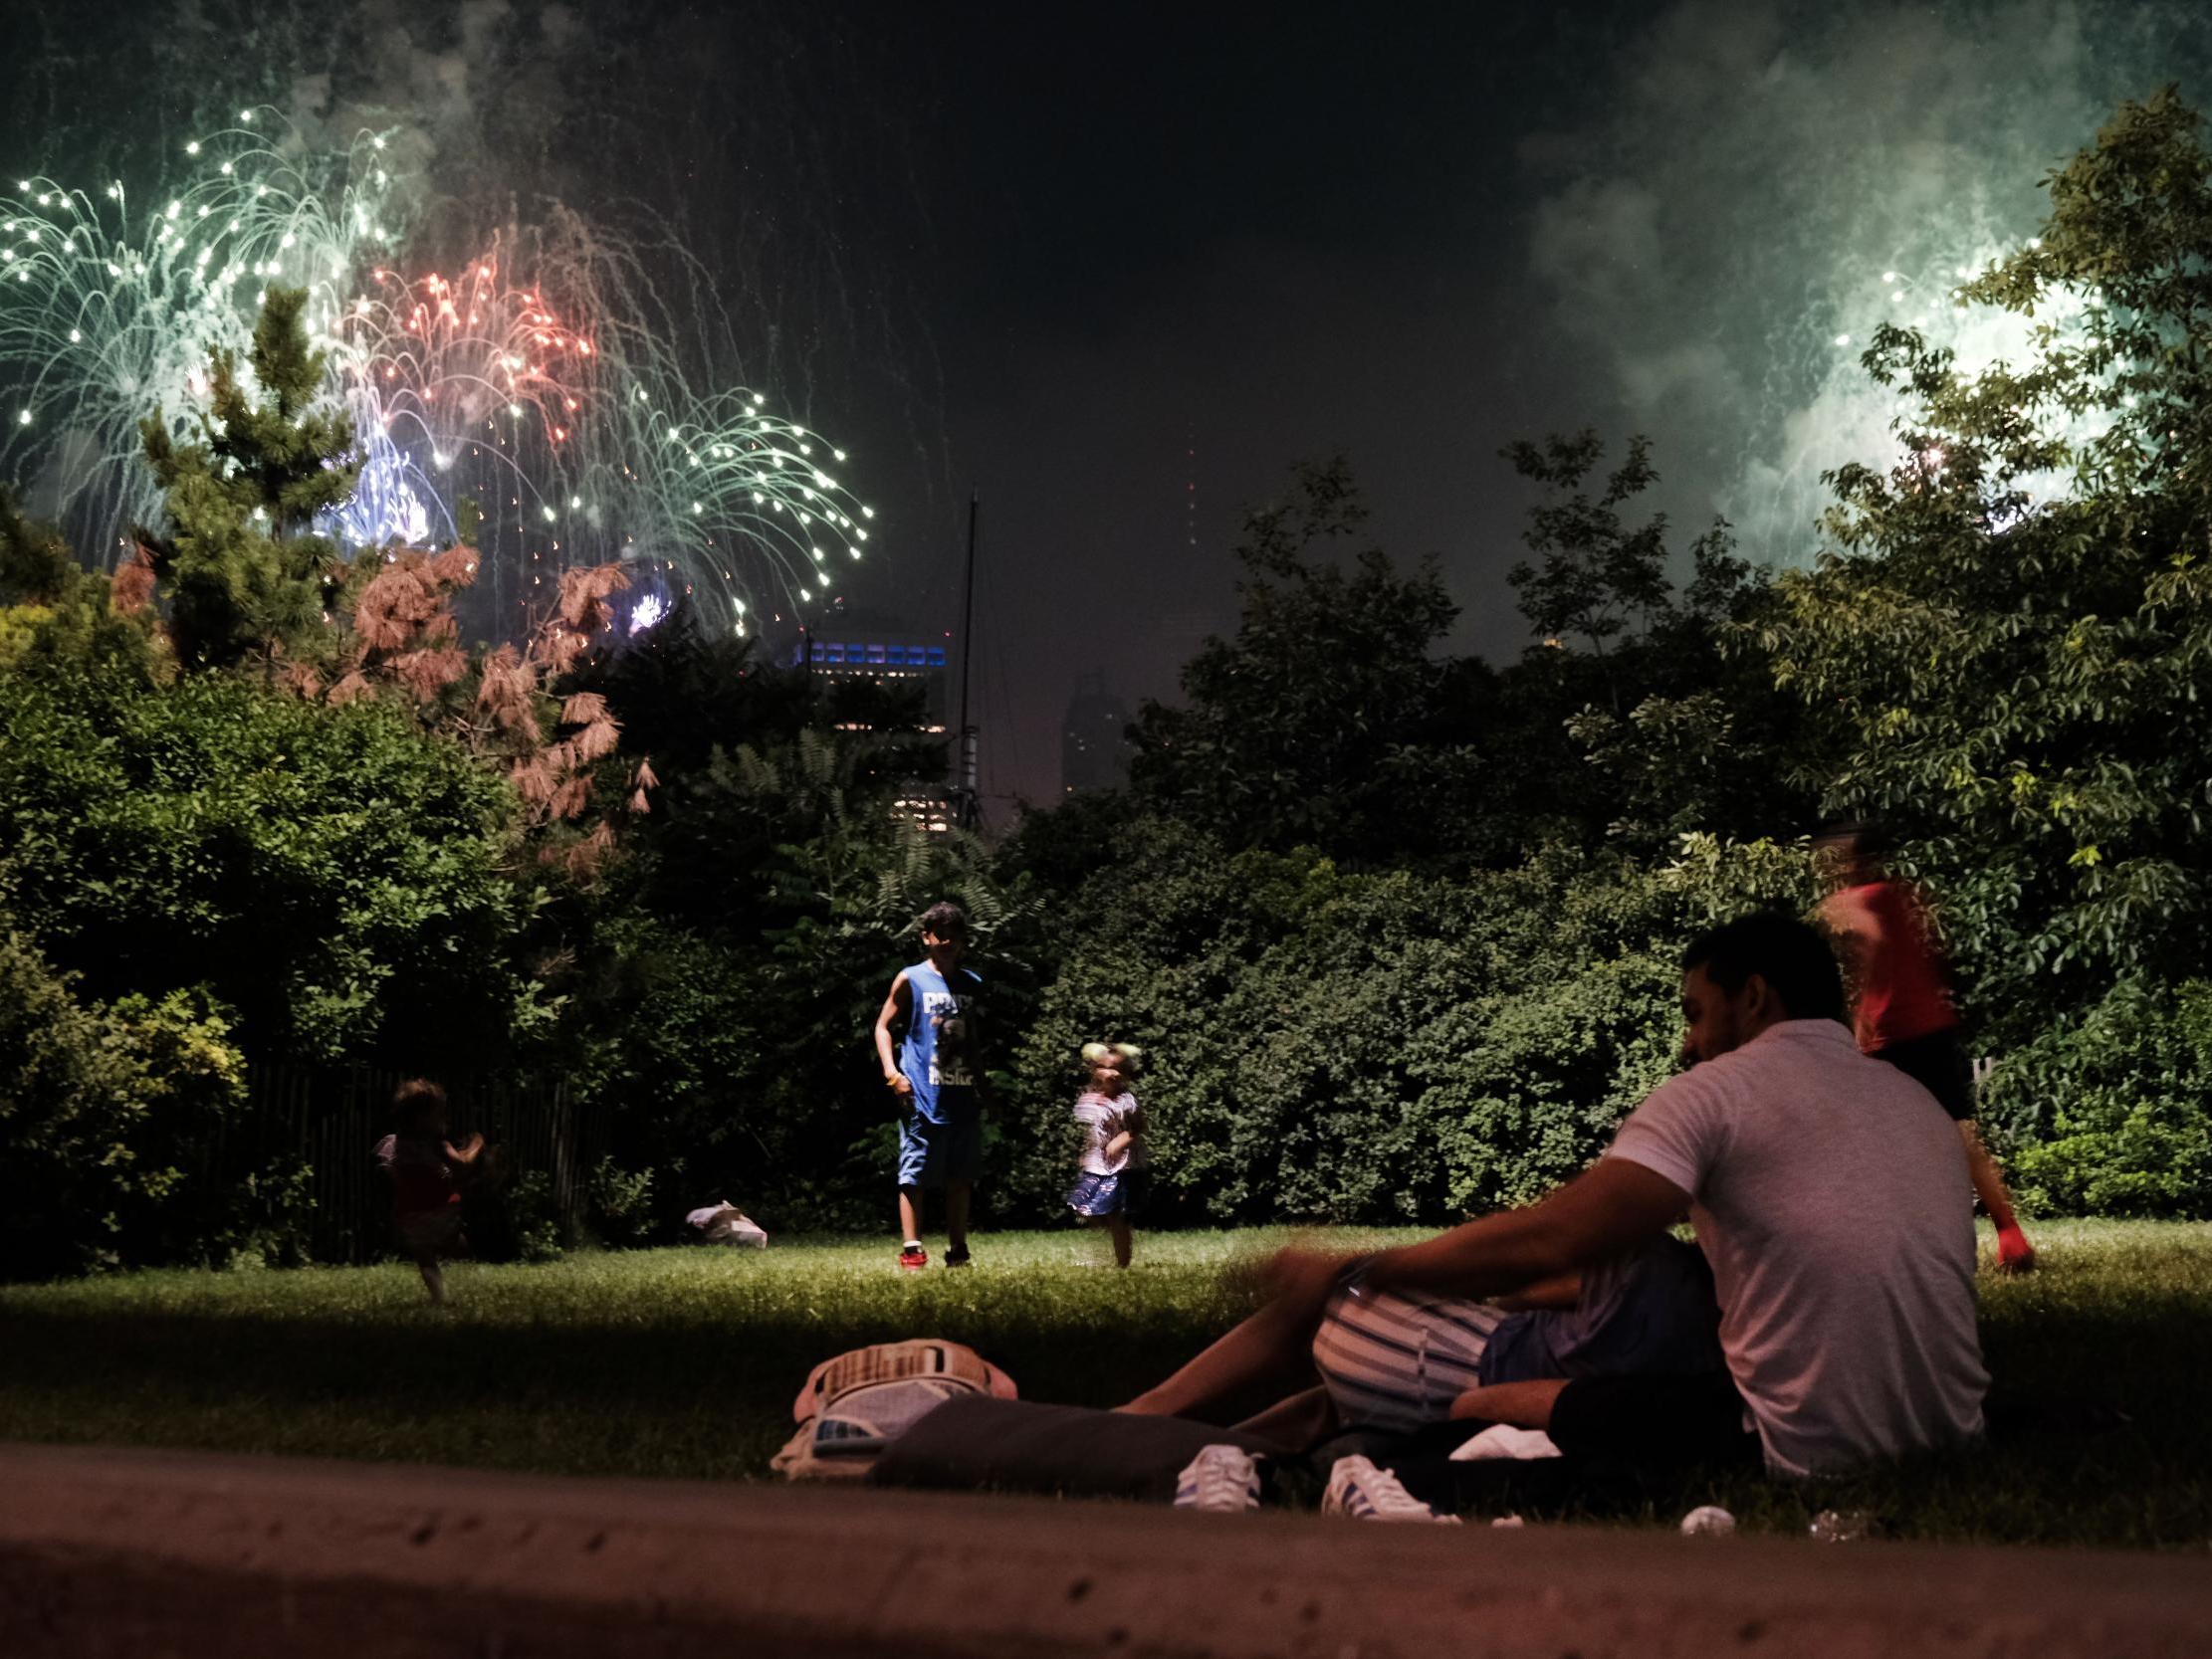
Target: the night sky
pixel 1050 254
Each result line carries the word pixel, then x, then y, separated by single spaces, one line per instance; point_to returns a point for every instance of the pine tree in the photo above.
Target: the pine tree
pixel 245 572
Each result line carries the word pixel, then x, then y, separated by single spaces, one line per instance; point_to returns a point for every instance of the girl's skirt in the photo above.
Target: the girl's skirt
pixel 1122 1194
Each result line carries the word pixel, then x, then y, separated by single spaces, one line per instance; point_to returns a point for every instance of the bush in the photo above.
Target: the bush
pixel 619 1205
pixel 332 875
pixel 1365 1048
pixel 517 1222
pixel 2110 1112
pixel 114 1143
pixel 672 1059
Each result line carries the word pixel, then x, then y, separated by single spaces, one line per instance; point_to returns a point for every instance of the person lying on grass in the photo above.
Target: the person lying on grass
pixel 1828 1190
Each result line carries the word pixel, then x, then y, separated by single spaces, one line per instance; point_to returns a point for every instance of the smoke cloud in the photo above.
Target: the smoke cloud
pixel 1716 246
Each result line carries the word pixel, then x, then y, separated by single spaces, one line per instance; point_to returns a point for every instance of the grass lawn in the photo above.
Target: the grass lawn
pixel 684 1362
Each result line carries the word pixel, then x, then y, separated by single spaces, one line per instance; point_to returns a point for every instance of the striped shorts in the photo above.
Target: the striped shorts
pixel 1397 1363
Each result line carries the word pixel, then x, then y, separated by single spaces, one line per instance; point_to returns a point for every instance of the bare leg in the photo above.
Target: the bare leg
pixel 1522 1404
pixel 1989 1187
pixel 910 1213
pixel 1117 1227
pixel 433 1276
pixel 1302 1420
pixel 956 1195
pixel 1272 1343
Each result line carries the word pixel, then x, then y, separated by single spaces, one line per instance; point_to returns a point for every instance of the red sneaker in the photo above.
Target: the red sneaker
pixel 913 1258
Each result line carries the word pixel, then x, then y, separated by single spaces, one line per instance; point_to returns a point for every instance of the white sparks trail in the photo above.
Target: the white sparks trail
pixel 535 382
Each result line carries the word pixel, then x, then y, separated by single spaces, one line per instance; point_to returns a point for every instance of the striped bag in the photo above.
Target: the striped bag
pixel 856 1404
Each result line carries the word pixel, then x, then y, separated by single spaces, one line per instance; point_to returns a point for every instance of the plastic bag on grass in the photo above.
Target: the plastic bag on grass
pixel 725 1223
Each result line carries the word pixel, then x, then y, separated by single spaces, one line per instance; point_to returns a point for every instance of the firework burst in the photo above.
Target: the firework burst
pixel 539 381
pixel 109 308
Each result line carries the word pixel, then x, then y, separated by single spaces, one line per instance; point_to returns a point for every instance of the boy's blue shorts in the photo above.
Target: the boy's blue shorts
pixel 929 1155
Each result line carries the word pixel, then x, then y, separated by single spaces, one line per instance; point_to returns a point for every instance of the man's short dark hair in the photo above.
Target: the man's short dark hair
pixel 1794 957
pixel 944 920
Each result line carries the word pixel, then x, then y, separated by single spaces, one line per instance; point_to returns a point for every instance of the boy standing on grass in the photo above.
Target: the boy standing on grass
pixel 937 1074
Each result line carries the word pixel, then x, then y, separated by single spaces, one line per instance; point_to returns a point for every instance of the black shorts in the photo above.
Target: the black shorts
pixel 1653 1421
pixel 1937 1063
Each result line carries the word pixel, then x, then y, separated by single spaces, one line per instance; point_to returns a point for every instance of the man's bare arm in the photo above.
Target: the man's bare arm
pixel 895 1008
pixel 1560 1293
pixel 1610 1206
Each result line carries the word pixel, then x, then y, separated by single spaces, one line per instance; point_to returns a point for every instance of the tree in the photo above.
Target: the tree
pixel 1600 580
pixel 2012 637
pixel 1316 724
pixel 1674 733
pixel 248 574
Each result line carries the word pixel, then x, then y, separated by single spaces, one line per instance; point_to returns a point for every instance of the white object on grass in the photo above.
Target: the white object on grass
pixel 725 1223
pixel 1503 1440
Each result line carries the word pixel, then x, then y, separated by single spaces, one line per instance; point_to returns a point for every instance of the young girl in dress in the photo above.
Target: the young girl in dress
pixel 1110 1188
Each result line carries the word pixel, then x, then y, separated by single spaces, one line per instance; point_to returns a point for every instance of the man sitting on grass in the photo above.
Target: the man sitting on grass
pixel 1829 1193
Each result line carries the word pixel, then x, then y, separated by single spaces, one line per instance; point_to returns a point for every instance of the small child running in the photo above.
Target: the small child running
pixel 1114 1177
pixel 425 1173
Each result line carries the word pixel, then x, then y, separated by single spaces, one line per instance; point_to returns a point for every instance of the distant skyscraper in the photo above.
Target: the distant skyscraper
pixel 851 646
pixel 1094 741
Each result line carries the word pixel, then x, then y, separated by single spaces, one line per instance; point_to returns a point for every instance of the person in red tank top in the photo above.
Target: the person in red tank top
pixel 1903 1009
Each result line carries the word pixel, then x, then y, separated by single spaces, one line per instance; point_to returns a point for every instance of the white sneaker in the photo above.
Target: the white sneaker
pixel 1358 1489
pixel 1220 1478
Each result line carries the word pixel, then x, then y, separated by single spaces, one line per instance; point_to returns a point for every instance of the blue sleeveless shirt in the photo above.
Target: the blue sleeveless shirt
pixel 937 1057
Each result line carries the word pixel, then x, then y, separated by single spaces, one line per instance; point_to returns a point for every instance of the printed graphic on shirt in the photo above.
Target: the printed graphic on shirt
pixel 948 1055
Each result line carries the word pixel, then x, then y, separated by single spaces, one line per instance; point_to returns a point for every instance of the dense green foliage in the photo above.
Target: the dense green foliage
pixel 112 1121
pixel 328 873
pixel 1335 1045
pixel 2012 646
pixel 1398 929
pixel 2109 1112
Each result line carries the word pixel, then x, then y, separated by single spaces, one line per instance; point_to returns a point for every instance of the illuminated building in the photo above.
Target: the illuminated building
pixel 1094 738
pixel 846 647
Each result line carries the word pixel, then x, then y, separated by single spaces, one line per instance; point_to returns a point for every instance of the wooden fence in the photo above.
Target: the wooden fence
pixel 332 1118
